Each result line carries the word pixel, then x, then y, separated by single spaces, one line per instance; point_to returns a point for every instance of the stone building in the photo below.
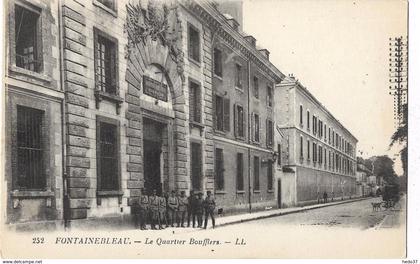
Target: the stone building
pixel 107 97
pixel 318 154
pixel 362 176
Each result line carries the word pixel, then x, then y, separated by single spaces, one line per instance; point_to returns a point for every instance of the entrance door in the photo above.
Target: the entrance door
pixel 196 166
pixel 279 193
pixel 152 150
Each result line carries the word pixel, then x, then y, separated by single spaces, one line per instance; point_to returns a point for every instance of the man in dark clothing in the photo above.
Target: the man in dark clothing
pixel 182 208
pixel 190 213
pixel 198 210
pixel 325 197
pixel 154 209
pixel 173 208
pixel 209 206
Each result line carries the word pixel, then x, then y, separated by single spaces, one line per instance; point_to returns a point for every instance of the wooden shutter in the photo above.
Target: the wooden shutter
pixel 226 114
pixel 267 135
pixel 235 120
pixel 113 66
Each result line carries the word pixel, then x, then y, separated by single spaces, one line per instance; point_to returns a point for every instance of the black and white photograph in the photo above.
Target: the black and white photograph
pixel 210 129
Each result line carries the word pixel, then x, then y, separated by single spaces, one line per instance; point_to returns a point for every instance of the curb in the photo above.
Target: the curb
pixel 298 210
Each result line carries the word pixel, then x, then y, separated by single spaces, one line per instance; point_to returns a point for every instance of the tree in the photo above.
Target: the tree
pixel 383 167
pixel 401 136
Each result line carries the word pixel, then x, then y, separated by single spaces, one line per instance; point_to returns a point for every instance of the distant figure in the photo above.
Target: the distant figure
pixel 325 196
pixel 154 209
pixel 190 208
pixel 162 212
pixel 209 206
pixel 144 209
pixel 198 210
pixel 173 208
pixel 182 208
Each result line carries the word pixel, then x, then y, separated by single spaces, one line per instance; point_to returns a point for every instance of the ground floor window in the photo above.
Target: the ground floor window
pixel 219 168
pixel 256 173
pixel 240 172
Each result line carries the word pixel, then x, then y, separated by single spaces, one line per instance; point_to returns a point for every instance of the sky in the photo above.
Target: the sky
pixel 338 49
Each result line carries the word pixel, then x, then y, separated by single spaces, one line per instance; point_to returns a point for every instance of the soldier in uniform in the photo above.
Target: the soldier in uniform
pixel 162 212
pixel 182 208
pixel 143 209
pixel 209 206
pixel 198 210
pixel 154 209
pixel 190 213
pixel 173 207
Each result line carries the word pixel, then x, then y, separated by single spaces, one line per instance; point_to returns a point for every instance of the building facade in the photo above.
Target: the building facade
pixel 318 154
pixel 107 97
pixel 362 176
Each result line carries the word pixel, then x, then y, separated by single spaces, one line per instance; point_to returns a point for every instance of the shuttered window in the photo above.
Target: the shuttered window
pixel 314 152
pixel 279 153
pixel 256 87
pixel 270 132
pixel 238 76
pixel 269 96
pixel 301 115
pixel 270 175
pixel 196 166
pixel 309 150
pixel 218 66
pixel 222 113
pixel 195 102
pixel 256 173
pixel 105 63
pixel 256 127
pixel 219 168
pixel 240 172
pixel 107 156
pixel 30 167
pixel 239 121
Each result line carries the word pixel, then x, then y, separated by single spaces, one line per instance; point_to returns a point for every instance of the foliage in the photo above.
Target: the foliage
pixel 401 136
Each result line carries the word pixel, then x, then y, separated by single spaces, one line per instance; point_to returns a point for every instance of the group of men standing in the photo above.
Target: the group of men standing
pixel 174 209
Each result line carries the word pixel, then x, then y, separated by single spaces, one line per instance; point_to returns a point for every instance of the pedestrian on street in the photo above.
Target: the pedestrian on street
pixel 198 210
pixel 154 209
pixel 143 209
pixel 162 212
pixel 173 208
pixel 325 197
pixel 190 213
pixel 182 208
pixel 209 206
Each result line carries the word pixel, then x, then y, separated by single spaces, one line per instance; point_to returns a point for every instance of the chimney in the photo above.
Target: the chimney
pixel 265 53
pixel 232 7
pixel 251 40
pixel 232 22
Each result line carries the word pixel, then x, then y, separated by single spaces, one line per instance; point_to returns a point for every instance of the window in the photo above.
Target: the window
pixel 193 43
pixel 107 156
pixel 301 115
pixel 196 166
pixel 30 136
pixel 108 3
pixel 314 125
pixel 308 120
pixel 238 76
pixel 240 172
pixel 279 154
pixel 239 121
pixel 325 132
pixel 269 96
pixel 256 126
pixel 270 175
pixel 301 147
pixel 105 63
pixel 270 132
pixel 256 87
pixel 217 56
pixel 256 173
pixel 220 181
pixel 222 113
pixel 320 127
pixel 28 39
pixel 329 135
pixel 320 154
pixel 195 102
pixel 314 152
pixel 309 150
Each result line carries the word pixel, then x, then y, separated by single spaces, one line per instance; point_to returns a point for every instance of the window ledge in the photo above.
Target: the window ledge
pixel 218 77
pixel 270 191
pixel 30 74
pixel 197 124
pixel 220 192
pixel 256 191
pixel 195 62
pixel 105 8
pixel 109 193
pixel 240 192
pixel 239 89
pixel 31 194
pixel 100 95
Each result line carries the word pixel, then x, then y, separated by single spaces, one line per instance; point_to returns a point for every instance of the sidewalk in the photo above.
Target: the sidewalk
pixel 240 218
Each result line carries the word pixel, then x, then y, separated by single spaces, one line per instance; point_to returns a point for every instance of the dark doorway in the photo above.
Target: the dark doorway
pixel 279 193
pixel 196 166
pixel 152 149
pixel 152 152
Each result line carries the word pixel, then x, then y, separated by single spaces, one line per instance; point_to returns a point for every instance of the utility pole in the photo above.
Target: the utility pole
pixel 398 68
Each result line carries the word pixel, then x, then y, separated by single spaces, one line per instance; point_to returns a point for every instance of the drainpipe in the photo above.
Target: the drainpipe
pixel 249 137
pixel 66 201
